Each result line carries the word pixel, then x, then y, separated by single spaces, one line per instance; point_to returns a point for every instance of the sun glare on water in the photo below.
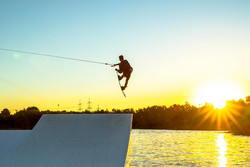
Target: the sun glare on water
pixel 222 145
pixel 217 92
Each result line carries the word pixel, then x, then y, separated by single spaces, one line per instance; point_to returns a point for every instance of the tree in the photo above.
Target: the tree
pixel 248 99
pixel 5 112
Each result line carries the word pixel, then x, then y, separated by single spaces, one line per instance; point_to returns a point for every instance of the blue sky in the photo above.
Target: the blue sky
pixel 172 45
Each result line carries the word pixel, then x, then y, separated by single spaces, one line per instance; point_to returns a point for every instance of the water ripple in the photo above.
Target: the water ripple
pixel 187 148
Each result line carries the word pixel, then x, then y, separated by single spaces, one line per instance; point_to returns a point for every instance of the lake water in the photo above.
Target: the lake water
pixel 187 148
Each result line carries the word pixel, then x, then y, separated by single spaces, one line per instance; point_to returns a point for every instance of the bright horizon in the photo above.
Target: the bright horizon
pixel 194 51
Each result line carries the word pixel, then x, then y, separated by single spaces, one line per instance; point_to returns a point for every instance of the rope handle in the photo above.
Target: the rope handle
pixel 54 56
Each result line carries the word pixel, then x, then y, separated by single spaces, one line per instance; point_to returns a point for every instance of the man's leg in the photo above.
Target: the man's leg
pixel 120 77
pixel 126 82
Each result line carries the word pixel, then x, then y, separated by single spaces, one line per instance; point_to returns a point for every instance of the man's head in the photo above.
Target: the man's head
pixel 121 58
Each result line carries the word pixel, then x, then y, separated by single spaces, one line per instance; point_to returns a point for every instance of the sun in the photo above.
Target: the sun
pixel 217 92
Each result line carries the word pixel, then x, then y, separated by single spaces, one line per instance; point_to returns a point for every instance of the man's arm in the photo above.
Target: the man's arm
pixel 118 70
pixel 115 65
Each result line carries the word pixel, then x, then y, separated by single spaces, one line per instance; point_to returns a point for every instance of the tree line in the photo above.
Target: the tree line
pixel 235 117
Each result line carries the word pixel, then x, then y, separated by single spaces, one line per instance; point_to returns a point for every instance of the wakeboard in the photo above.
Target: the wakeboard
pixel 120 84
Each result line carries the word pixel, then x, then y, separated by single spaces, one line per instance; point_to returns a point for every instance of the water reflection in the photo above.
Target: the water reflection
pixel 222 145
pixel 187 148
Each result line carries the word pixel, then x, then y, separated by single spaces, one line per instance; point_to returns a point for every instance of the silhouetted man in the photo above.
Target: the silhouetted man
pixel 125 69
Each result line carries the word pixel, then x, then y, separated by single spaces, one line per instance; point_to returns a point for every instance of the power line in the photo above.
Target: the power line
pixel 80 106
pixel 89 105
pixel 54 56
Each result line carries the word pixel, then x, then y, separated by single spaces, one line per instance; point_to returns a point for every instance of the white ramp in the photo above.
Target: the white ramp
pixel 75 140
pixel 10 140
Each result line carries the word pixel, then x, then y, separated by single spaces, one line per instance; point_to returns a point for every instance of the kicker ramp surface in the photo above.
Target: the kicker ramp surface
pixel 75 140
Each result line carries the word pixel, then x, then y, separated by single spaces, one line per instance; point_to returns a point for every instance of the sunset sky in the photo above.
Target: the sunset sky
pixel 193 51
